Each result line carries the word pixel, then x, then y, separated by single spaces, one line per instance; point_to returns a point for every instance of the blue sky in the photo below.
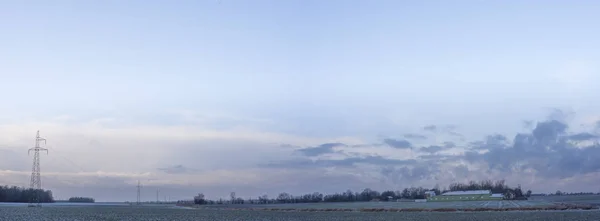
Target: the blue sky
pixel 254 81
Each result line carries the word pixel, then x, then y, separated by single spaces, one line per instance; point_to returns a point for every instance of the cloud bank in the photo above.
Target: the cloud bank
pixel 106 162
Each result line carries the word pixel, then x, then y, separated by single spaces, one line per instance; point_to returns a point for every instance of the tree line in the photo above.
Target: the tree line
pixel 368 194
pixel 16 194
pixel 81 200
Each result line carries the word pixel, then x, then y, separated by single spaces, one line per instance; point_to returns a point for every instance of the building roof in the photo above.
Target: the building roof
pixel 469 192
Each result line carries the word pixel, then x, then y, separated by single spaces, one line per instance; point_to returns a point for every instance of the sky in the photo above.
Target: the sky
pixel 266 96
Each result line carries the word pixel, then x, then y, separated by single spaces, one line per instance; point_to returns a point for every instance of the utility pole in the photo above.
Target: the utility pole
pixel 139 187
pixel 36 181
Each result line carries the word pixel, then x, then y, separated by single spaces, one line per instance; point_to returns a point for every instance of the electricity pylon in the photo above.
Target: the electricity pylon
pixel 36 180
pixel 138 193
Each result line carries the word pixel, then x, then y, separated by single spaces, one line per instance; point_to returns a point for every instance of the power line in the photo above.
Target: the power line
pixel 36 181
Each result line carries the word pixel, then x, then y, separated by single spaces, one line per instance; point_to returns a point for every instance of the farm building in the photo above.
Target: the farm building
pixel 473 195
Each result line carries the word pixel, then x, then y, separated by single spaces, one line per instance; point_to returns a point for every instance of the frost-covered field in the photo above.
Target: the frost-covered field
pixel 585 199
pixel 427 205
pixel 164 213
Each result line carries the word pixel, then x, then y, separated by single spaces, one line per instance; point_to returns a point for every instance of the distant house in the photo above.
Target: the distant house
pixel 472 195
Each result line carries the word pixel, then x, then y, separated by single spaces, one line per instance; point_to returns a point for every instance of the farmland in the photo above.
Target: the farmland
pixel 447 206
pixel 311 211
pixel 164 213
pixel 579 199
pixel 389 205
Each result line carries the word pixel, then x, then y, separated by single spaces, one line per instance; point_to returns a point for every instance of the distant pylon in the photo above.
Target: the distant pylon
pixel 36 180
pixel 138 193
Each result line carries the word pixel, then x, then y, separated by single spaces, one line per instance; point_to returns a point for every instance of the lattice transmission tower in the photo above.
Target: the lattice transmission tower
pixel 139 187
pixel 36 180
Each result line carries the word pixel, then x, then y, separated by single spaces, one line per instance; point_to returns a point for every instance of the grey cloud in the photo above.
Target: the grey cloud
pixel 411 174
pixel 176 169
pixel 582 136
pixel 460 171
pixel 415 136
pixel 456 134
pixel 450 127
pixel 347 162
pixel 476 144
pixel 528 124
pixel 400 144
pixel 378 160
pixel 559 115
pixel 545 150
pixel 495 141
pixel 430 128
pixel 440 157
pixel 548 132
pixel 367 145
pixel 288 146
pixel 436 148
pixel 432 149
pixel 449 144
pixel 451 130
pixel 319 150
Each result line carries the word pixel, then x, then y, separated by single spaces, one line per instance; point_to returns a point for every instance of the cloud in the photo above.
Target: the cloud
pixel 449 144
pixel 400 144
pixel 438 148
pixel 451 130
pixel 528 124
pixel 86 155
pixel 545 150
pixel 79 151
pixel 415 136
pixel 320 150
pixel 432 149
pixel 346 162
pixel 430 128
pixel 176 169
pixel 491 142
pixel 583 136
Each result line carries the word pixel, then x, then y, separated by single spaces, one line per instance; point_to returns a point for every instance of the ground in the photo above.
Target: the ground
pixel 583 199
pixel 105 213
pixel 101 212
pixel 359 205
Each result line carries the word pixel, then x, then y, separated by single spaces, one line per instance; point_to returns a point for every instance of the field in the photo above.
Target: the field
pixel 125 213
pixel 389 205
pixel 590 202
pixel 583 199
pixel 372 211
